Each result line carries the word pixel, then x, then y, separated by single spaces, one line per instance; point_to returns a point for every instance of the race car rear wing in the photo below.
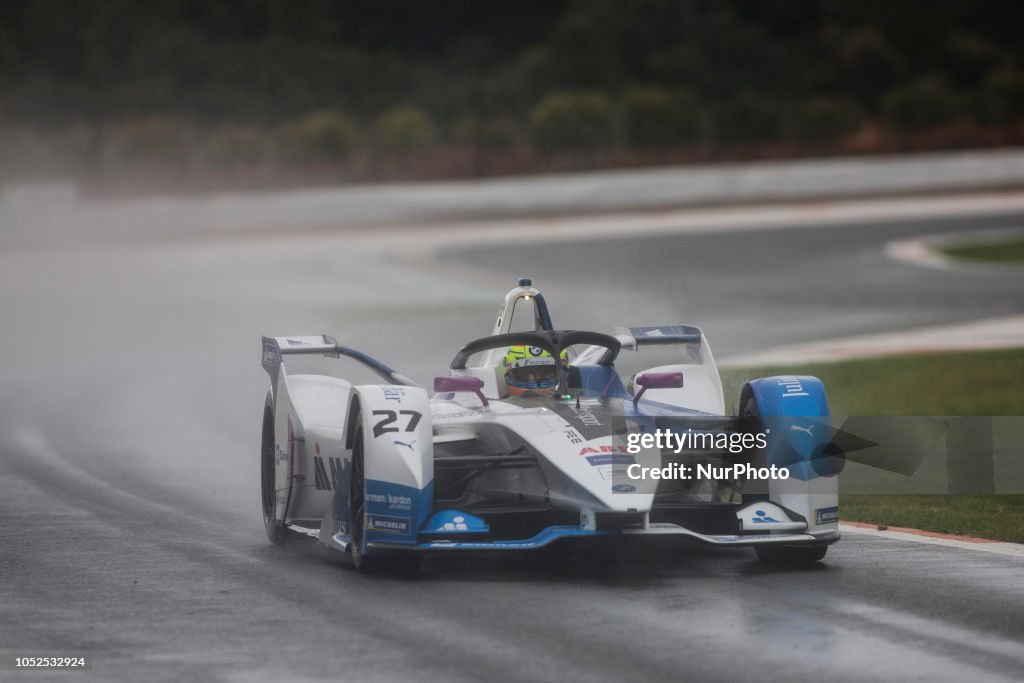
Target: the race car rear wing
pixel 274 348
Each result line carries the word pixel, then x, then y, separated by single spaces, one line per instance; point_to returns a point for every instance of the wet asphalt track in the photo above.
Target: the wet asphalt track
pixel 129 527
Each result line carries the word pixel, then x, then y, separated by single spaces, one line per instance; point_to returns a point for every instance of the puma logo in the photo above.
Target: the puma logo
pixel 807 429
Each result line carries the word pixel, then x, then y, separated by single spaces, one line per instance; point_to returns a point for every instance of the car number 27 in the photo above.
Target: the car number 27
pixel 390 417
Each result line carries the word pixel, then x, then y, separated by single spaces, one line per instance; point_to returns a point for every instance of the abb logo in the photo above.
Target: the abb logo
pixel 603 449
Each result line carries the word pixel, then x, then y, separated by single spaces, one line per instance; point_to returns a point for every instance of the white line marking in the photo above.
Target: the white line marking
pixel 1007 549
pixel 630 225
pixel 926 251
pixel 990 333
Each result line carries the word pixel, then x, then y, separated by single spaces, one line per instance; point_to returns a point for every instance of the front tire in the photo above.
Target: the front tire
pixel 404 563
pixel 749 410
pixel 276 531
pixel 776 555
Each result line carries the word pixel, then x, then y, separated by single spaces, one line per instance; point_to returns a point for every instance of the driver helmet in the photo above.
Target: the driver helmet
pixel 531 371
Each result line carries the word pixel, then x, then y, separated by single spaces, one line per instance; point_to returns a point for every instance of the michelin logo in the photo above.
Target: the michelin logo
pixel 826 515
pixel 388 524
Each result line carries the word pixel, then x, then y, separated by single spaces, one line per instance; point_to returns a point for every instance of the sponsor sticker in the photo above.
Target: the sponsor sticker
pixel 826 515
pixel 323 480
pixel 762 517
pixel 610 459
pixel 390 500
pixel 388 524
pixel 604 449
pixel 573 435
pixel 269 355
pixel 394 394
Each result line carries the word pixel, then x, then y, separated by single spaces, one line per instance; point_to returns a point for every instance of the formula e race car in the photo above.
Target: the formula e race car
pixel 539 436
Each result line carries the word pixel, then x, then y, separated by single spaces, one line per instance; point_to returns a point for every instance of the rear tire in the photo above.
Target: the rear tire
pixel 398 563
pixel 790 556
pixel 276 532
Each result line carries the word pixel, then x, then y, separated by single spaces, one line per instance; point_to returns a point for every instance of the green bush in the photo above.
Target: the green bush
pixel 572 121
pixel 404 130
pixel 323 136
pixel 1003 93
pixel 823 119
pixel 157 139
pixel 236 146
pixel 749 118
pixel 923 103
pixel 869 60
pixel 654 116
pixel 969 57
pixel 497 134
pixel 500 133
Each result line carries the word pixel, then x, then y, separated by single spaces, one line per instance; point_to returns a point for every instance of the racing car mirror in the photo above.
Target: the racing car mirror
pixel 657 380
pixel 460 383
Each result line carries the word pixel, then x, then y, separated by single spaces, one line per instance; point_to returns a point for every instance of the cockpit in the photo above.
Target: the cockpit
pixel 524 344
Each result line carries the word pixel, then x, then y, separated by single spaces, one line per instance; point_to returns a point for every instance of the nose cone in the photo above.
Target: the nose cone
pixel 602 468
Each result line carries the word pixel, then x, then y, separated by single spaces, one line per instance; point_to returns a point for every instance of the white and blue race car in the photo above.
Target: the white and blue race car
pixel 389 473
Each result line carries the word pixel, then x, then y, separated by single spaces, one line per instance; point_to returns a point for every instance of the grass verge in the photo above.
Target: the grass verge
pixel 1011 251
pixel 996 517
pixel 925 384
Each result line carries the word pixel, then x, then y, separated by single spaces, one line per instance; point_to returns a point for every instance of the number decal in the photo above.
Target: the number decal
pixel 414 419
pixel 382 426
pixel 390 416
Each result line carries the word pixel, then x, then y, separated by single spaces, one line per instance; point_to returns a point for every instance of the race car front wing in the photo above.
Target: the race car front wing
pixel 759 523
pixel 556 533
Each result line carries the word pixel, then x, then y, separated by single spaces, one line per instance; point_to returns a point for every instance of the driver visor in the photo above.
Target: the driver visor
pixel 532 373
